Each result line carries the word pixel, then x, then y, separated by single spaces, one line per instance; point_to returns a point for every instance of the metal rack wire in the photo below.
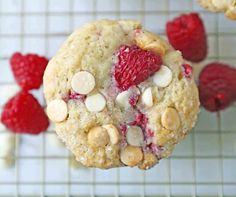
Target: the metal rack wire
pixel 202 165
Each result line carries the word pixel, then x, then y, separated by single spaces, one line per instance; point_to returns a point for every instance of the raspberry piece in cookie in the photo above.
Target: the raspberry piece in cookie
pixel 134 65
pixel 23 114
pixel 28 70
pixel 187 34
pixel 116 97
pixel 187 71
pixel 217 86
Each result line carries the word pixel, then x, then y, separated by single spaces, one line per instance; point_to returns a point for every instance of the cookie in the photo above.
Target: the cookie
pixel 226 6
pixel 119 95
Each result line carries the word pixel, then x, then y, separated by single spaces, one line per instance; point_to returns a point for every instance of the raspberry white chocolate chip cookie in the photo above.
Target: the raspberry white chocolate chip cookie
pixel 119 95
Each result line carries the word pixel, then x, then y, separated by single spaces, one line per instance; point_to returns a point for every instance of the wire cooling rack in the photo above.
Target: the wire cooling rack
pixel 204 164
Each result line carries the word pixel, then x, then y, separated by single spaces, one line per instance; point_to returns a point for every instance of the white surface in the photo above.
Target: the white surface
pixel 203 164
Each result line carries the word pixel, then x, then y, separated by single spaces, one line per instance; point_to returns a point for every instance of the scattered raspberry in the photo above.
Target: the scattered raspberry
pixel 187 71
pixel 28 70
pixel 149 133
pixel 123 132
pixel 133 100
pixel 134 65
pixel 153 148
pixel 23 114
pixel 74 96
pixel 141 120
pixel 217 86
pixel 187 34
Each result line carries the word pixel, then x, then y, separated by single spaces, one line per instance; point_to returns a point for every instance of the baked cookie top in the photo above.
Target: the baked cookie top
pixel 120 95
pixel 226 6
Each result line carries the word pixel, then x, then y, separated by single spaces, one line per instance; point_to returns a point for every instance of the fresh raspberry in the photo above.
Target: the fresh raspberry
pixel 187 34
pixel 28 70
pixel 134 65
pixel 23 114
pixel 217 86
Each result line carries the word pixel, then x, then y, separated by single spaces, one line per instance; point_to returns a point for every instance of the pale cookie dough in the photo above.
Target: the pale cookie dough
pixel 226 6
pixel 105 126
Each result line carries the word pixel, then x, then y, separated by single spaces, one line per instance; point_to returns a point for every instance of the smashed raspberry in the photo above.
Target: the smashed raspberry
pixel 149 133
pixel 140 120
pixel 133 100
pixel 187 71
pixel 187 34
pixel 74 96
pixel 217 86
pixel 134 65
pixel 153 148
pixel 123 132
pixel 28 70
pixel 23 114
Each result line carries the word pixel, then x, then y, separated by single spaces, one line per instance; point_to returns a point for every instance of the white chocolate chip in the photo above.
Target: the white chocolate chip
pixel 98 137
pixel 170 119
pixel 95 103
pixel 122 99
pixel 83 82
pixel 147 98
pixel 112 132
pixel 131 155
pixel 134 136
pixel 163 77
pixel 57 110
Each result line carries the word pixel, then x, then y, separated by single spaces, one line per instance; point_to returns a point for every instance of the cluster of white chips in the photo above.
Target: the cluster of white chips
pixel 83 83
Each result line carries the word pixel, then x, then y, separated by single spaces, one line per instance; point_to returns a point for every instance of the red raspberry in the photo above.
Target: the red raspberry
pixel 187 71
pixel 134 65
pixel 28 70
pixel 187 34
pixel 217 86
pixel 23 114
